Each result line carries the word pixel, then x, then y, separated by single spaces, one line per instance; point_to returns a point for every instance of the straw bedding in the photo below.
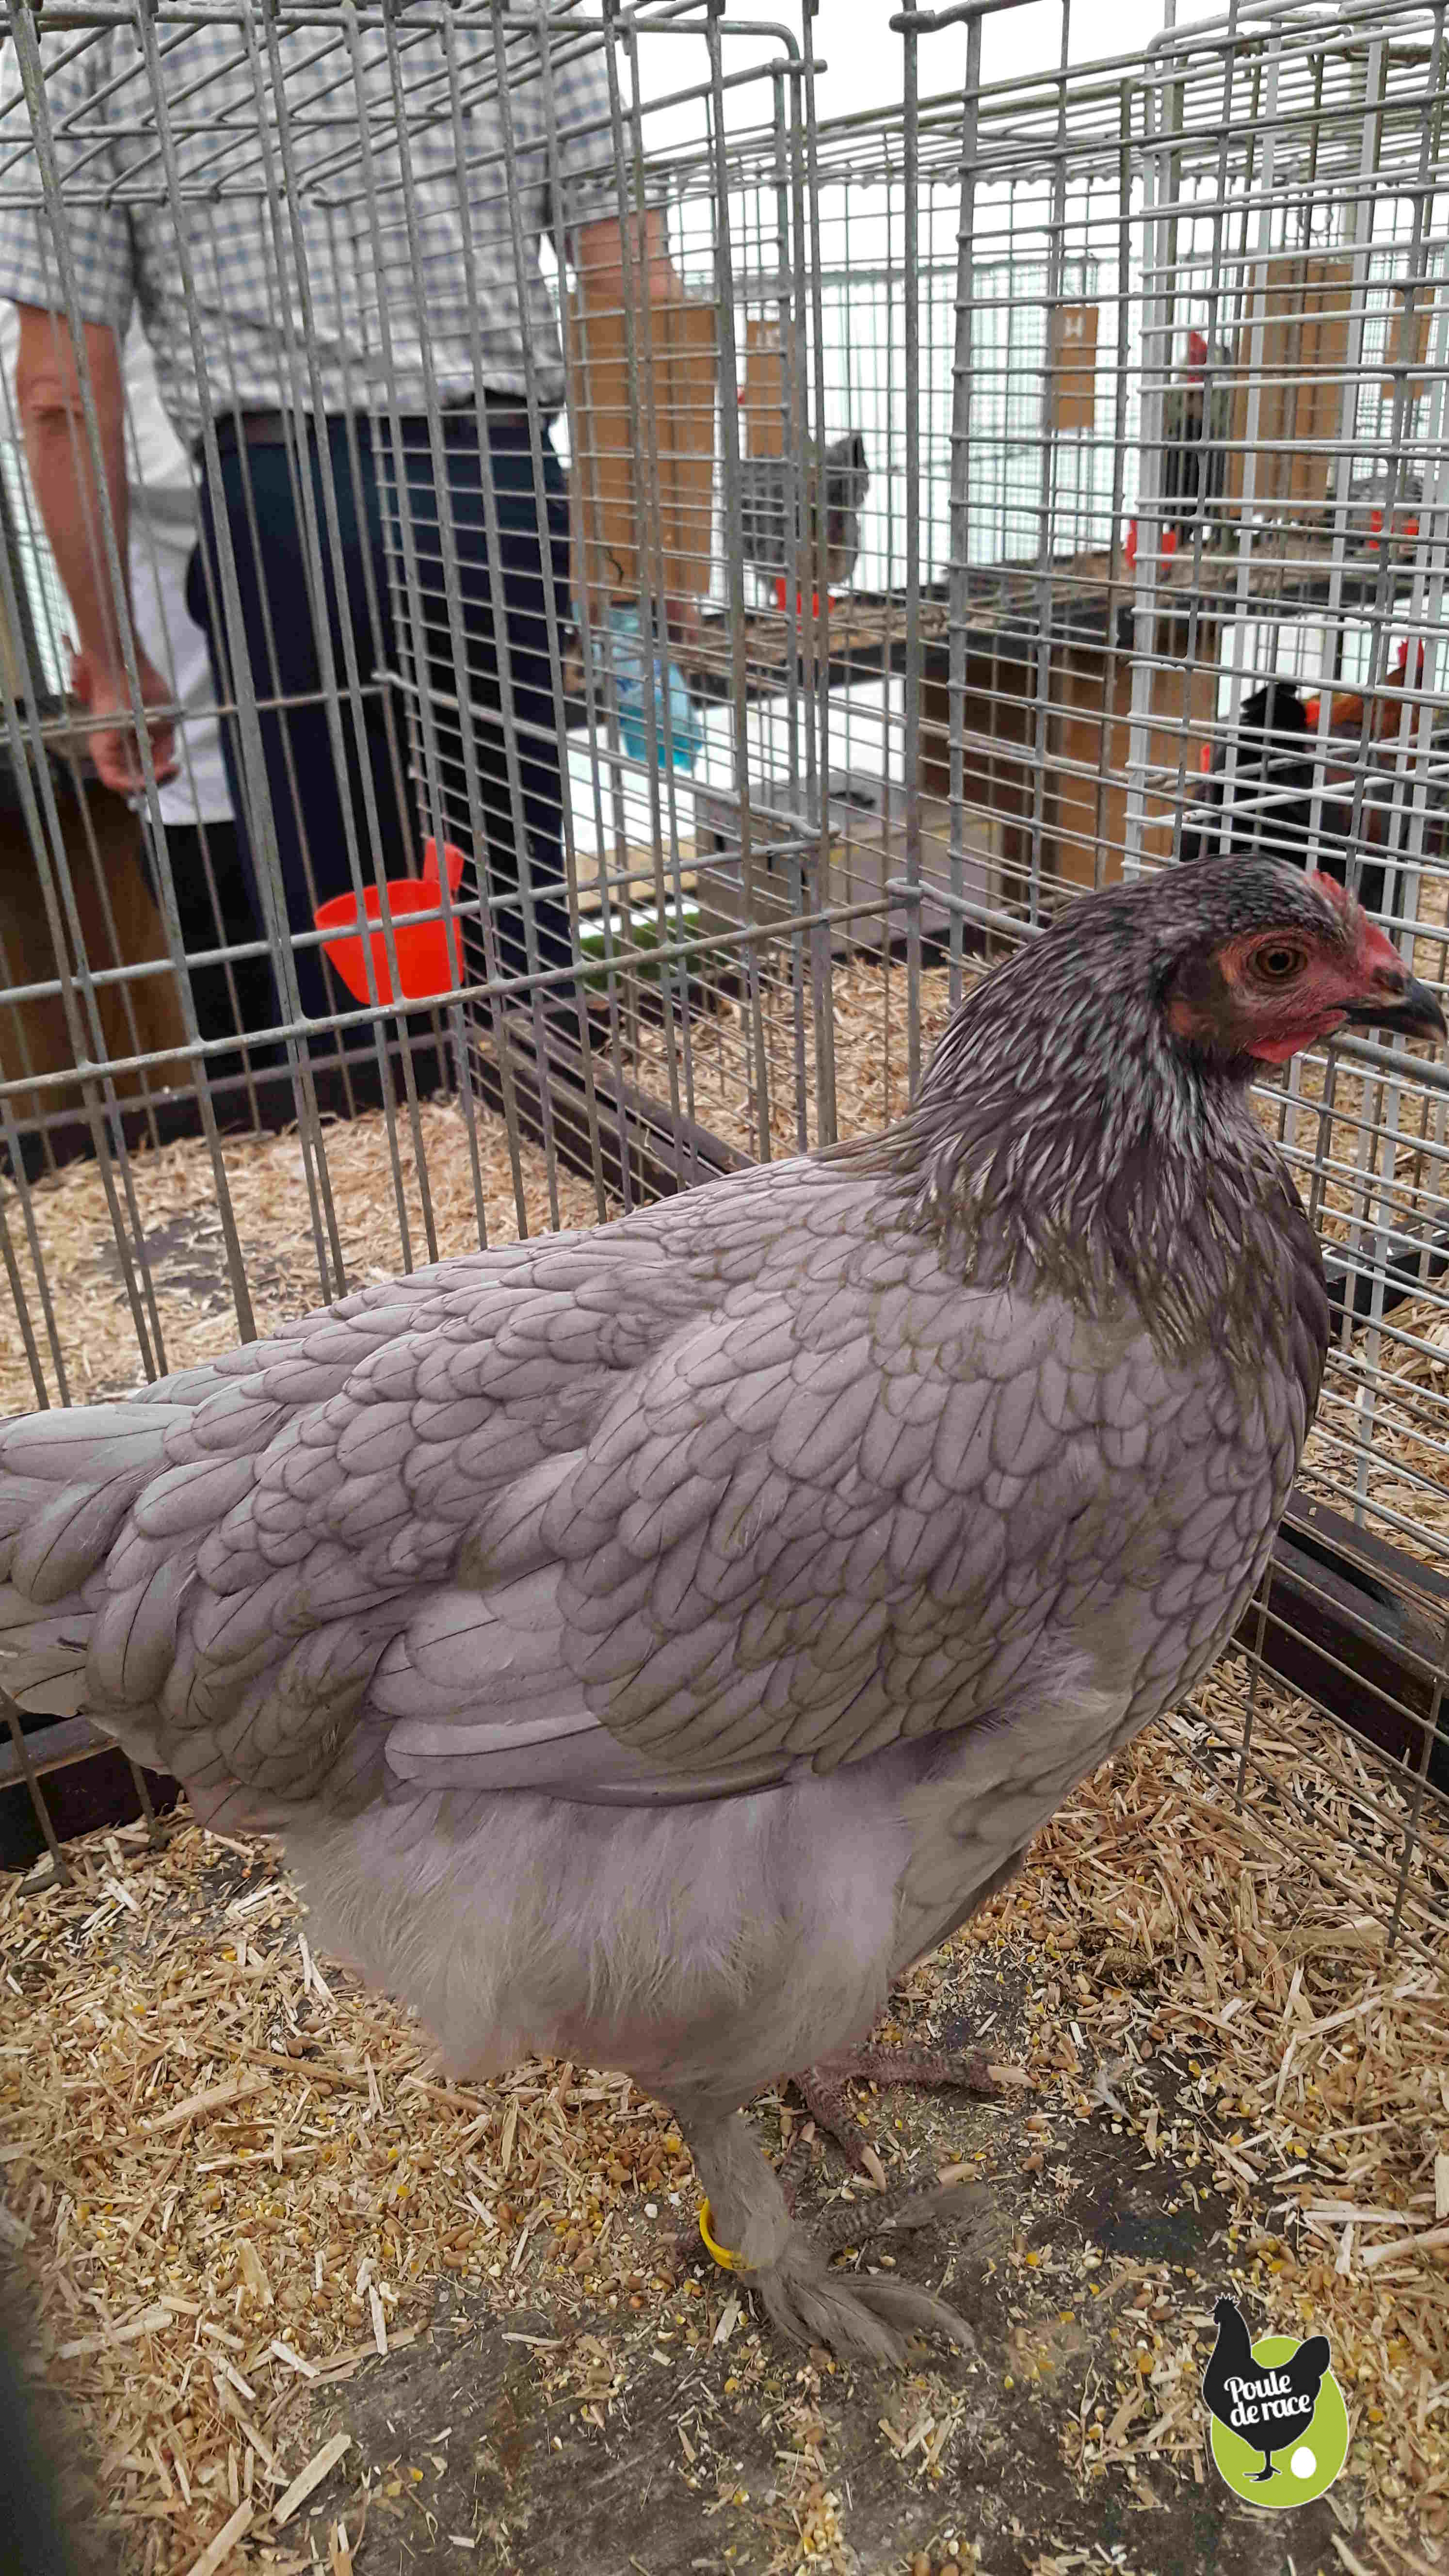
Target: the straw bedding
pixel 233 2180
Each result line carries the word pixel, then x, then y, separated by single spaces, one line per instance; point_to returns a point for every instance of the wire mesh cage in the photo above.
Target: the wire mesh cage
pixel 647 593
pixel 558 610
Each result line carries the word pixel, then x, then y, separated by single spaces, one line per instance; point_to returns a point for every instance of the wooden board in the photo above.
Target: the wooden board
pixel 1293 341
pixel 617 545
pixel 762 403
pixel 120 926
pixel 1348 1622
pixel 998 756
pixel 1085 736
pixel 1408 345
pixel 1084 803
pixel 1072 367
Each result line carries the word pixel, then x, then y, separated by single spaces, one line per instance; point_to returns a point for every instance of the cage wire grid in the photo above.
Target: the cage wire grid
pixel 915 508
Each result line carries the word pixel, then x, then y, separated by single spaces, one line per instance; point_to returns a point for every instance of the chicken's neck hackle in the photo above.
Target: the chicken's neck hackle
pixel 1064 1136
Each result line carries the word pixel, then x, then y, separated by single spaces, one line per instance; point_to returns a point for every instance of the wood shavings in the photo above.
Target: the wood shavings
pixel 234 2089
pixel 303 2184
pixel 146 2323
pixel 1308 2066
pixel 220 2549
pixel 320 2466
pixel 1162 1914
pixel 176 1201
pixel 868 1013
pixel 1420 2244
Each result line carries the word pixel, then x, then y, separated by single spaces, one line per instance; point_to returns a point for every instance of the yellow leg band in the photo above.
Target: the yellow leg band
pixel 727 2262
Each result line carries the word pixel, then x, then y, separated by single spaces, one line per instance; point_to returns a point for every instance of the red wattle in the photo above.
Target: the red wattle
pixel 1278 1050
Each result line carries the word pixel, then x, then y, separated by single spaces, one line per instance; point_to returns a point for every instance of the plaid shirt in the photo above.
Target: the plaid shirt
pixel 376 301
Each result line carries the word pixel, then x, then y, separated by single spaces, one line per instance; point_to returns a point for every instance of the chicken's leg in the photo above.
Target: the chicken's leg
pixel 788 2266
pixel 822 2087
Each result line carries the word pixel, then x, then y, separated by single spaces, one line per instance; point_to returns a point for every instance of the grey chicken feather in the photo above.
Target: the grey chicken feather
pixel 650 1640
pixel 806 507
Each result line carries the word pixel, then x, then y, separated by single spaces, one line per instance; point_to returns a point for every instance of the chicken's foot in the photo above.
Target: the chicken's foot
pixel 898 2212
pixel 788 2266
pixel 824 2087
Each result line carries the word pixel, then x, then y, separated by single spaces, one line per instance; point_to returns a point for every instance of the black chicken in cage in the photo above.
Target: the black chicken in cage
pixel 1196 425
pixel 832 485
pixel 1280 803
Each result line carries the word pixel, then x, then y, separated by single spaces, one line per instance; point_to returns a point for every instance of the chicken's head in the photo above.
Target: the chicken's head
pixel 1289 968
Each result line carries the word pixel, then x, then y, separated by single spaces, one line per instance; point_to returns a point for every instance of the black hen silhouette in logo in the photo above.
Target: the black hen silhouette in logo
pixel 1266 2405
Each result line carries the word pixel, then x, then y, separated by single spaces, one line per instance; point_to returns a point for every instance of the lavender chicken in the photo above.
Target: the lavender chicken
pixel 649 1641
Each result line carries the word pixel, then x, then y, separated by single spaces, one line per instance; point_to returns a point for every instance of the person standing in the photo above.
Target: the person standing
pixel 201 843
pixel 397 239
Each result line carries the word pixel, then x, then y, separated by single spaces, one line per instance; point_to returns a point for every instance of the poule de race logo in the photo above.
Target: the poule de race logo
pixel 1268 2398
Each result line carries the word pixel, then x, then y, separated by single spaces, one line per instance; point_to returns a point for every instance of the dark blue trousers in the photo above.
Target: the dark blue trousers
pixel 520 873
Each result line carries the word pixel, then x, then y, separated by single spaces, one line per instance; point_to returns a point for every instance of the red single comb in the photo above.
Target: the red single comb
pixel 1197 349
pixel 1336 894
pixel 1373 947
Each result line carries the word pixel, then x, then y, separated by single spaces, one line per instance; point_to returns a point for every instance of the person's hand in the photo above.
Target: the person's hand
pixel 106 696
pixel 682 623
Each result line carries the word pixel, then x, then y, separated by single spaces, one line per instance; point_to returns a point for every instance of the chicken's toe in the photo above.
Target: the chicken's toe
pixel 808 2301
pixel 824 2087
pixel 749 2228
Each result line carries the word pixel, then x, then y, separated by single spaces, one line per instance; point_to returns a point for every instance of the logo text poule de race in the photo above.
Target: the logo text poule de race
pixel 1268 2394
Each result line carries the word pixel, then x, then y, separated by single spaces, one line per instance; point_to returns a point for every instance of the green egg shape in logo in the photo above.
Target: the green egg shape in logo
pixel 1312 2457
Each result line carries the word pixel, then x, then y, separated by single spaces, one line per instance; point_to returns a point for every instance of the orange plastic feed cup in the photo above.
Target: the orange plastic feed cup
pixel 424 966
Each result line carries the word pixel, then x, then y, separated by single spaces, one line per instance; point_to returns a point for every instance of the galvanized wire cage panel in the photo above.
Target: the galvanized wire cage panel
pixel 772 565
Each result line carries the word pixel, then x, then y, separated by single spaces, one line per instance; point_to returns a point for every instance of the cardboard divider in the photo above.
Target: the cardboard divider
pixel 676 346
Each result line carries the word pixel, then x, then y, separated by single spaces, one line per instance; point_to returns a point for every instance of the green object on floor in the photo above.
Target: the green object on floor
pixel 632 931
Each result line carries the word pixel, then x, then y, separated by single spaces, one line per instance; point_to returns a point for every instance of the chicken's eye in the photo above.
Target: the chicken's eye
pixel 1279 963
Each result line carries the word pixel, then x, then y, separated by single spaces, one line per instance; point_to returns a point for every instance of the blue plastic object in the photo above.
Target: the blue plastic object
pixel 685 733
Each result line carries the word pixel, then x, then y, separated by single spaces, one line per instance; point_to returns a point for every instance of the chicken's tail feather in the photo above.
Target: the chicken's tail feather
pixel 67 1482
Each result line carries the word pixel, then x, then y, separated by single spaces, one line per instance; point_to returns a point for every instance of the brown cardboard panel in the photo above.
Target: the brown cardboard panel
pixel 1300 305
pixel 626 466
pixel 1091 811
pixel 762 411
pixel 687 443
pixel 1327 294
pixel 998 754
pixel 1072 365
pixel 33 1035
pixel 601 516
pixel 1408 344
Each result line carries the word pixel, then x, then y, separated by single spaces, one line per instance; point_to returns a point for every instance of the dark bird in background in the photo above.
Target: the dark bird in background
pixel 1269 802
pixel 1196 425
pixel 1405 778
pixel 1268 2405
pixel 1354 713
pixel 649 1641
pixel 824 497
pixel 1386 493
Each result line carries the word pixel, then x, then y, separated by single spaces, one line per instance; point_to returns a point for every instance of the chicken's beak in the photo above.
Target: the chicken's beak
pixel 1400 1003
